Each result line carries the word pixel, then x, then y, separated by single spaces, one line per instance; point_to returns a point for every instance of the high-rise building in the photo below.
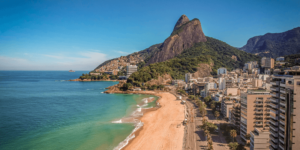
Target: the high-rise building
pixel 285 110
pixel 255 111
pixel 130 70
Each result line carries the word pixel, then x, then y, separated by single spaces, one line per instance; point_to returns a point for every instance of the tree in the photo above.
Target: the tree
pixel 127 86
pixel 161 87
pixel 248 136
pixel 233 134
pixel 233 146
pixel 217 114
pixel 212 106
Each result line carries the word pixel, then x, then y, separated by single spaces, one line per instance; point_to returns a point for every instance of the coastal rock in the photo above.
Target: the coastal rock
pixel 185 35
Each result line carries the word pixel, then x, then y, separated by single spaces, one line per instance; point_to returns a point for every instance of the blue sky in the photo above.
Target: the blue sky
pixel 79 35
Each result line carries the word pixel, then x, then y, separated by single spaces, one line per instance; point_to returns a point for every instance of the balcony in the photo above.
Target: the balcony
pixel 274 88
pixel 274 100
pixel 274 94
pixel 274 117
pixel 281 127
pixel 282 96
pixel 274 128
pixel 282 115
pixel 273 105
pixel 281 140
pixel 281 147
pixel 275 123
pixel 273 133
pixel 276 83
pixel 282 121
pixel 282 109
pixel 282 84
pixel 282 90
pixel 273 144
pixel 243 129
pixel 281 134
pixel 282 103
pixel 273 139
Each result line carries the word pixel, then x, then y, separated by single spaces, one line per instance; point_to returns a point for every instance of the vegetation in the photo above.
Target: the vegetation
pixel 94 77
pixel 220 53
pixel 233 145
pixel 217 114
pixel 182 92
pixel 233 134
pixel 291 60
pixel 175 67
pixel 211 52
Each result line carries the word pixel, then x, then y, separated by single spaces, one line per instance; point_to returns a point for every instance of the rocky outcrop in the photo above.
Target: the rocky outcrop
pixel 182 20
pixel 185 34
pixel 274 44
pixel 204 70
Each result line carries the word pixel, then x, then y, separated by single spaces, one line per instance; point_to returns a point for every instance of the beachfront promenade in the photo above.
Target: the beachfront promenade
pixel 195 137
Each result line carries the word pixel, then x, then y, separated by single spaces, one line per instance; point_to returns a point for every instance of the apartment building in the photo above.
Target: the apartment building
pixel 255 111
pixel 236 115
pixel 285 112
pixel 222 71
pixel 226 105
pixel 130 70
pixel 259 139
pixel 267 62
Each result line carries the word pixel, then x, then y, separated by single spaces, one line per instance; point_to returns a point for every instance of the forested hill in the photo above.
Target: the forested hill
pixel 213 52
pixel 274 44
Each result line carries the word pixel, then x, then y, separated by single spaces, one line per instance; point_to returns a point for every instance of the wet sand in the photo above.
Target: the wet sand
pixel 162 129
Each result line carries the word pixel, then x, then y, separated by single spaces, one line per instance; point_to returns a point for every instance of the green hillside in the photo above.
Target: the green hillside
pixel 212 51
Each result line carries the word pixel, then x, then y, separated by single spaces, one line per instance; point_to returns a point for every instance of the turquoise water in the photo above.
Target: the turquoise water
pixel 41 110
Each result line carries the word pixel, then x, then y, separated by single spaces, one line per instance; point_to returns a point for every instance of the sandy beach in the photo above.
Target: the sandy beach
pixel 162 128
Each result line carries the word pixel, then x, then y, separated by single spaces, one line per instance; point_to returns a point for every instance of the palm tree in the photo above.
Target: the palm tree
pixel 212 106
pixel 233 134
pixel 217 114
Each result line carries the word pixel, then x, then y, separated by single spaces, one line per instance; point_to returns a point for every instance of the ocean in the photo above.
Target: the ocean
pixel 41 110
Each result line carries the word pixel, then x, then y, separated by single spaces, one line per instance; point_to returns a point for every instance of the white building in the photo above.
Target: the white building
pixel 222 83
pixel 208 86
pixel 280 59
pixel 130 70
pixel 222 71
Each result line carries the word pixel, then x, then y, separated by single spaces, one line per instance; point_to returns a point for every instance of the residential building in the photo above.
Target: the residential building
pixel 267 62
pixel 285 110
pixel 254 111
pixel 188 76
pixel 130 70
pixel 257 83
pixel 222 83
pixel 280 59
pixel 259 139
pixel 208 86
pixel 222 71
pixel 236 115
pixel 226 105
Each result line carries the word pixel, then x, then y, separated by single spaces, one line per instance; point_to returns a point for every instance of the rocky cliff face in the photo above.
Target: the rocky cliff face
pixel 185 34
pixel 274 44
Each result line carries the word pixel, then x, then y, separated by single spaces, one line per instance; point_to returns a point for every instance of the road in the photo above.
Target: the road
pixel 195 137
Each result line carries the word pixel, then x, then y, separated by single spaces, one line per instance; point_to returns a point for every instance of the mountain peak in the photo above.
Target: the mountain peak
pixel 182 20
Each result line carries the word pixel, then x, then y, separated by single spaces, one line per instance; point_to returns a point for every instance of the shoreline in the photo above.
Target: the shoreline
pixel 167 103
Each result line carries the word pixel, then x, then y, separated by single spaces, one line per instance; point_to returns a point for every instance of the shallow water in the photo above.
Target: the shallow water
pixel 41 110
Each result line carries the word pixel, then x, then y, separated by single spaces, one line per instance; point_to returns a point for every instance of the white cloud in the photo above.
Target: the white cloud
pixel 84 61
pixel 121 52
